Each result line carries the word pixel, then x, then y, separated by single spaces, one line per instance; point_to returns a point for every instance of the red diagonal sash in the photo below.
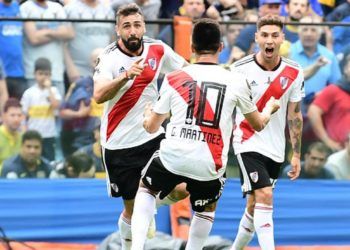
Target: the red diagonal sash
pixel 275 89
pixel 132 95
pixel 177 80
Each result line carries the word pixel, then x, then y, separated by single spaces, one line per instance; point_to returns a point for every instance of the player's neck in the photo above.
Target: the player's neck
pixel 129 52
pixel 270 64
pixel 206 58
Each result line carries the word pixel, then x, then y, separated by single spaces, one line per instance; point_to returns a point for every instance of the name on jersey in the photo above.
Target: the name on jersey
pixel 197 135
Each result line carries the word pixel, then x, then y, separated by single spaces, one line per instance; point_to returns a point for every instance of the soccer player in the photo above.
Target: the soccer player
pixel 201 99
pixel 260 154
pixel 126 79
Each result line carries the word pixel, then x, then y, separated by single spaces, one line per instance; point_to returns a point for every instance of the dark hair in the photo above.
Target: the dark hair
pixel 80 161
pixel 32 135
pixel 319 147
pixel 12 103
pixel 206 36
pixel 269 20
pixel 42 63
pixel 127 10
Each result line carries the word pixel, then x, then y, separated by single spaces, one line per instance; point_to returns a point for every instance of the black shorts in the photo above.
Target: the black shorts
pixel 257 171
pixel 157 178
pixel 124 166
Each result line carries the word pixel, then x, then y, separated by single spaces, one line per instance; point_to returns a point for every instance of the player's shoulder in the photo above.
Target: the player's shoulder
pixel 110 48
pixel 149 40
pixel 243 61
pixel 291 63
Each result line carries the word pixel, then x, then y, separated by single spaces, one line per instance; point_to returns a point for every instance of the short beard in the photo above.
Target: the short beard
pixel 132 45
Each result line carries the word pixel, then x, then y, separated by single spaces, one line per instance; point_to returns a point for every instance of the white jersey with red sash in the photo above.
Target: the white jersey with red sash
pixel 121 123
pixel 286 83
pixel 201 99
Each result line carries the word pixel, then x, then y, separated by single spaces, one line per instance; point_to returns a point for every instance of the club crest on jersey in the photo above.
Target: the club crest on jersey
pixel 254 176
pixel 152 62
pixel 283 82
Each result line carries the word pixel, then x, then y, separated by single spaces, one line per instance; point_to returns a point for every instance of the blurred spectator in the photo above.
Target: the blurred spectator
pixel 296 10
pixel 313 166
pixel 225 10
pixel 232 32
pixel 10 135
pixel 341 36
pixel 40 104
pixel 193 9
pixel 94 149
pixel 339 13
pixel 150 10
pixel 329 113
pixel 11 53
pixel 3 89
pixel 168 8
pixel 28 163
pixel 45 39
pixel 77 165
pixel 329 5
pixel 79 111
pixel 339 163
pixel 245 42
pixel 320 64
pixel 88 35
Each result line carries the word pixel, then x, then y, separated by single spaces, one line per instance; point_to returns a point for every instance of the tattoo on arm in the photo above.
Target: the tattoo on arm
pixel 295 129
pixel 297 108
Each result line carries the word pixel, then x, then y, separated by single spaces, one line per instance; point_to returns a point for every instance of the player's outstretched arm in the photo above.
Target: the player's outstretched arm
pixel 105 89
pixel 295 125
pixel 152 120
pixel 259 120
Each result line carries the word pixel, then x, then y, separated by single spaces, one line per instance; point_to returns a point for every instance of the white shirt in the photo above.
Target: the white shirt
pixel 121 124
pixel 285 83
pixel 201 99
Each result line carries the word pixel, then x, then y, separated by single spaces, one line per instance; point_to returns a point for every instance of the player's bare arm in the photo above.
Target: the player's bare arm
pixel 259 120
pixel 153 121
pixel 105 90
pixel 295 125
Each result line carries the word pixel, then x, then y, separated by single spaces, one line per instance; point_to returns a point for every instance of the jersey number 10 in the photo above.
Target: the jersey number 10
pixel 206 115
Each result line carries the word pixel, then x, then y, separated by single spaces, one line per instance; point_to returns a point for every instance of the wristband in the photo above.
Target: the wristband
pixel 127 76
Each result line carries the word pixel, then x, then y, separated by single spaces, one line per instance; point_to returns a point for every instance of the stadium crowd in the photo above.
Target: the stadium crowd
pixel 50 121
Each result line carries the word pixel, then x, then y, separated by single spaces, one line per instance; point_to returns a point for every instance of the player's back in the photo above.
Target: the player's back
pixel 201 99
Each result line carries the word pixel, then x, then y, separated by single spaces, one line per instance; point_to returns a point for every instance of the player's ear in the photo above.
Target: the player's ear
pixel 221 47
pixel 116 29
pixel 256 37
pixel 192 48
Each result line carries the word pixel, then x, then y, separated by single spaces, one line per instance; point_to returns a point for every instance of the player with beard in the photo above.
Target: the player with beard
pixel 261 154
pixel 125 80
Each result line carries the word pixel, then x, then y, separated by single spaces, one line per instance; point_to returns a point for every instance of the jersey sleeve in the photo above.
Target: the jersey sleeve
pixel 244 95
pixel 103 69
pixel 162 106
pixel 298 90
pixel 172 60
pixel 25 101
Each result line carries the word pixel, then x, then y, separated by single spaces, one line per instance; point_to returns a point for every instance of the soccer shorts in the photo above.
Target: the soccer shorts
pixel 124 166
pixel 257 171
pixel 157 178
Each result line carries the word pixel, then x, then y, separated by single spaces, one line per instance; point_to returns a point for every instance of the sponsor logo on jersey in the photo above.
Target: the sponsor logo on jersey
pixel 283 82
pixel 152 62
pixel 254 176
pixel 121 70
pixel 253 83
